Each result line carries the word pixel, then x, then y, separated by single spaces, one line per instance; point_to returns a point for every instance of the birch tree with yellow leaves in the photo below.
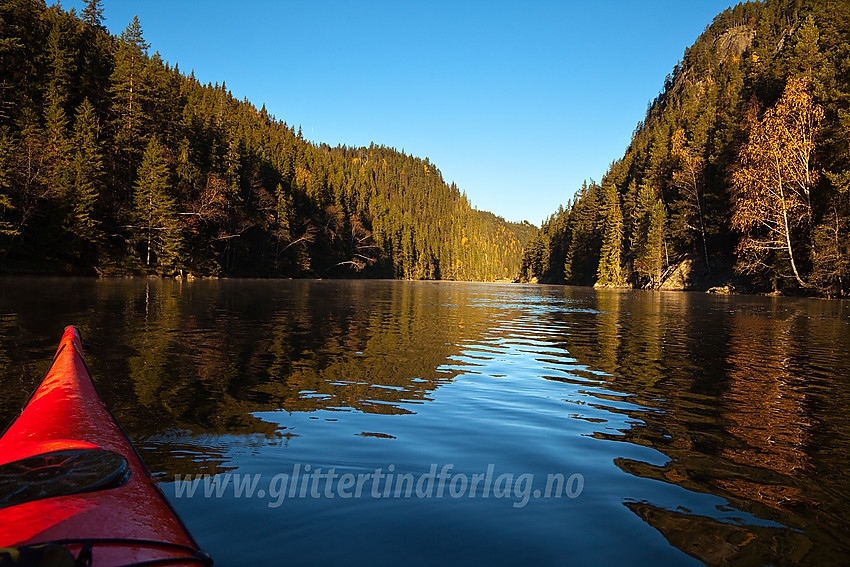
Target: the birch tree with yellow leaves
pixel 689 176
pixel 772 188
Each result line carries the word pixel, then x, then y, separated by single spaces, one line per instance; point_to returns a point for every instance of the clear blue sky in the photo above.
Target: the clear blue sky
pixel 517 102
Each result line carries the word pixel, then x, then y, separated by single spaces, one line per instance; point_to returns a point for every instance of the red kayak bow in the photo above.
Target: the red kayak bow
pixel 70 478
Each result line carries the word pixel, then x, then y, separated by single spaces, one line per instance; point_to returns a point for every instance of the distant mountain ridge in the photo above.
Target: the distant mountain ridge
pixel 739 175
pixel 113 162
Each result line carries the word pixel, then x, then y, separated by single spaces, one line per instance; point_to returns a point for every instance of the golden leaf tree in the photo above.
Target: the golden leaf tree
pixel 773 186
pixel 689 177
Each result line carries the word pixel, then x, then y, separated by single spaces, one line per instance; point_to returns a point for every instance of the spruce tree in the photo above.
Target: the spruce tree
pixel 57 152
pixel 155 210
pixel 57 147
pixel 640 217
pixel 806 55
pixel 654 258
pixel 648 235
pixel 585 225
pixel 61 60
pixel 28 170
pixel 86 177
pixel 93 13
pixel 129 91
pixel 610 271
pixel 8 226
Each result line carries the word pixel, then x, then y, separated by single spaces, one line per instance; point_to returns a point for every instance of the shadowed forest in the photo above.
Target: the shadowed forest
pixel 114 162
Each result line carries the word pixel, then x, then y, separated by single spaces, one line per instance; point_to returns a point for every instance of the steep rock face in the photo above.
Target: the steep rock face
pixel 689 273
pixel 679 276
pixel 735 41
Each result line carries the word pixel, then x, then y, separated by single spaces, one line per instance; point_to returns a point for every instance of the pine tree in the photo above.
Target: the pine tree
pixel 610 271
pixel 61 60
pixel 831 260
pixel 57 152
pixel 129 91
pixel 653 259
pixel 87 176
pixel 8 226
pixel 155 210
pixel 93 13
pixel 57 147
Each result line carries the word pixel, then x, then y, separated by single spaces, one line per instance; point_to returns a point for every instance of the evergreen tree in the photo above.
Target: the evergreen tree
pixel 8 228
pixel 95 61
pixel 87 177
pixel 155 210
pixel 585 236
pixel 61 59
pixel 831 259
pixel 639 235
pixel 652 260
pixel 806 54
pixel 129 90
pixel 93 13
pixel 57 152
pixel 284 211
pixel 568 261
pixel 57 143
pixel 610 271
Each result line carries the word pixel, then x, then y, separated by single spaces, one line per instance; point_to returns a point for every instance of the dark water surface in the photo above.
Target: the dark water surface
pixel 569 426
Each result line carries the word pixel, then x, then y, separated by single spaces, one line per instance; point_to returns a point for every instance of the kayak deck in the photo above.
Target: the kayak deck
pixel 69 475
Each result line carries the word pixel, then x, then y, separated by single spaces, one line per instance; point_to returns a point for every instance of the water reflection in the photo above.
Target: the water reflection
pixel 202 358
pixel 719 422
pixel 764 409
pixel 715 542
pixel 725 390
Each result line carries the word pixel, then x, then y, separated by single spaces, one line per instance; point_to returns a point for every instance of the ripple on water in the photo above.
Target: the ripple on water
pixel 704 429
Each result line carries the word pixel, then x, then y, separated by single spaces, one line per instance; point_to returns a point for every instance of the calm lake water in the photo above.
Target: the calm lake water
pixel 418 423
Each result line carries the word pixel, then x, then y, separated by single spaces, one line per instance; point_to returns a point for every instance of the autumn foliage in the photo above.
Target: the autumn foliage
pixel 773 186
pixel 743 160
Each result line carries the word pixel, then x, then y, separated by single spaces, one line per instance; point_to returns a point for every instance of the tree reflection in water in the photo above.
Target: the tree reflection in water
pixel 737 395
pixel 744 397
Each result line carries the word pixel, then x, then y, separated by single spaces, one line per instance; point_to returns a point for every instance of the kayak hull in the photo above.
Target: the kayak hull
pixel 129 522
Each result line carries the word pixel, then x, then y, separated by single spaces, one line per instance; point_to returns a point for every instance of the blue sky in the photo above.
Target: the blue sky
pixel 516 102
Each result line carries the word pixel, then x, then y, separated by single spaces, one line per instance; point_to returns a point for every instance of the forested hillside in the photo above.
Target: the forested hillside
pixel 114 162
pixel 739 173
